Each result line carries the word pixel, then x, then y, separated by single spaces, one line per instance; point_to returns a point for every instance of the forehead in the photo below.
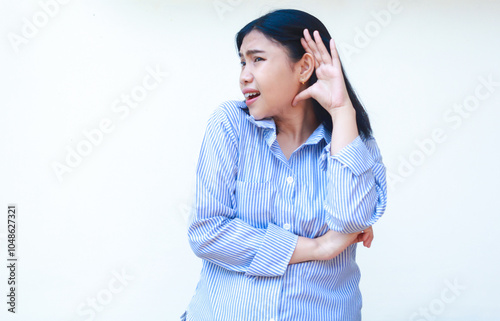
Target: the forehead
pixel 256 40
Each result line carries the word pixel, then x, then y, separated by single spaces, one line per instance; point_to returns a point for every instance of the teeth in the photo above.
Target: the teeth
pixel 251 95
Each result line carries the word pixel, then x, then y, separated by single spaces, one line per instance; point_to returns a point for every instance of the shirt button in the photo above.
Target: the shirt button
pixel 286 226
pixel 289 179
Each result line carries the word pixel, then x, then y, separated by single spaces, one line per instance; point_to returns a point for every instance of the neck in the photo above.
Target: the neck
pixel 297 123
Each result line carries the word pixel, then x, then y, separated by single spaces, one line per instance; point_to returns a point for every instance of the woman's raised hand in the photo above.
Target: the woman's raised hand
pixel 330 90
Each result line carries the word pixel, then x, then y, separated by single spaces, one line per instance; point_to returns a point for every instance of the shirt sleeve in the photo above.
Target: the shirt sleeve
pixel 356 194
pixel 215 232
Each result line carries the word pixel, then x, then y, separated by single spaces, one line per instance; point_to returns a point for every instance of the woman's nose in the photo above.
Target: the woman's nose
pixel 246 76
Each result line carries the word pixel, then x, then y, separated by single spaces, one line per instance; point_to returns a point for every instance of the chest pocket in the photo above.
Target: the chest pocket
pixel 255 202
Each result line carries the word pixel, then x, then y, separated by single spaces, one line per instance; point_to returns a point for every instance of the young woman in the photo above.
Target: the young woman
pixel 288 181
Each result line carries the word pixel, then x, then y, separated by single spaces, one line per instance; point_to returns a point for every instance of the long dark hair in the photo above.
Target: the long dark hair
pixel 286 26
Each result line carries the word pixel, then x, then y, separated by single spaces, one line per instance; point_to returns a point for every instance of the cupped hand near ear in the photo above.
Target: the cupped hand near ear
pixel 330 90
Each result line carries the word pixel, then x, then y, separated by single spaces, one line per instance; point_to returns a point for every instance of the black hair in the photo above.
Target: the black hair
pixel 286 27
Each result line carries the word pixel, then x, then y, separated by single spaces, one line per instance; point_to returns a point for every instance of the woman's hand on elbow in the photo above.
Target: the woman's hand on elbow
pixel 328 246
pixel 333 243
pixel 366 236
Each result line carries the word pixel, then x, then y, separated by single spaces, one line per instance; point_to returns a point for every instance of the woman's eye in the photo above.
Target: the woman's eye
pixel 242 63
pixel 258 59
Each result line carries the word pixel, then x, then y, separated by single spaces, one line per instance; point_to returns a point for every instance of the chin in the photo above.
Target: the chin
pixel 254 111
pixel 257 115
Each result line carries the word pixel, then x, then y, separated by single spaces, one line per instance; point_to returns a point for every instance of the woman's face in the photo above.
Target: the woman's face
pixel 268 79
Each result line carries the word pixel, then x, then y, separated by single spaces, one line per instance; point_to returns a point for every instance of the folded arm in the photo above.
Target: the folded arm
pixel 215 232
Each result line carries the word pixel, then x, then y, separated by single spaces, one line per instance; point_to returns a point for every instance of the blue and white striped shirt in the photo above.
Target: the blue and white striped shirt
pixel 251 206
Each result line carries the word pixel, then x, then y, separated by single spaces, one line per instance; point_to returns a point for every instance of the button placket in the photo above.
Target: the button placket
pixel 290 191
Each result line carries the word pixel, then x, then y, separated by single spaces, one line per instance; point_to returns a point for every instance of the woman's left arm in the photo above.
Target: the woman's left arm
pixel 357 189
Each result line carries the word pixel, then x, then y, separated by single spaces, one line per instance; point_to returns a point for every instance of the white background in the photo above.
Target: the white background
pixel 123 208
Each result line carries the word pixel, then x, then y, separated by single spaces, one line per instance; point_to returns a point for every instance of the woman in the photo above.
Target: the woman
pixel 288 181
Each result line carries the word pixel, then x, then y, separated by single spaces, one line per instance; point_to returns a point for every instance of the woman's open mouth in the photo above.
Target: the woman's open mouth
pixel 251 97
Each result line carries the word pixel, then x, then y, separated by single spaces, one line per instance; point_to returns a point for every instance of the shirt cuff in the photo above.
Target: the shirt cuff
pixel 354 156
pixel 274 254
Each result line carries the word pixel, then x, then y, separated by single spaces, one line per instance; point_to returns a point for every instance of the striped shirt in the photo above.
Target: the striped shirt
pixel 251 206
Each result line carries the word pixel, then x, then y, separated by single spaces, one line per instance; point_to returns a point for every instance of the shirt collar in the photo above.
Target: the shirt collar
pixel 270 126
pixel 320 133
pixel 266 123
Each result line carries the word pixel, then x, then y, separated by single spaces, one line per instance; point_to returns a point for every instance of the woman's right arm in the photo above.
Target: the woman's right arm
pixel 328 246
pixel 215 232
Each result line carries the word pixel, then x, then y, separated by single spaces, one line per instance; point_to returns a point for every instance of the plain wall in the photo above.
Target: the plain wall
pixel 110 228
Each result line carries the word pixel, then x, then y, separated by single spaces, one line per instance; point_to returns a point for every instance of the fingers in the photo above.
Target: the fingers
pixel 314 47
pixel 325 56
pixel 365 236
pixel 306 46
pixel 305 43
pixel 317 48
pixel 335 54
pixel 368 237
pixel 367 242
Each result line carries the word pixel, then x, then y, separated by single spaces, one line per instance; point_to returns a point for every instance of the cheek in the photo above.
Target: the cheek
pixel 281 85
pixel 286 88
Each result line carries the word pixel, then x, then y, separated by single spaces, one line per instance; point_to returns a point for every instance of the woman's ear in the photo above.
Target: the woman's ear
pixel 306 67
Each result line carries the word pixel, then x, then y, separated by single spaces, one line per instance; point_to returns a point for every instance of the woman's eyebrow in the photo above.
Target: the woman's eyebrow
pixel 251 52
